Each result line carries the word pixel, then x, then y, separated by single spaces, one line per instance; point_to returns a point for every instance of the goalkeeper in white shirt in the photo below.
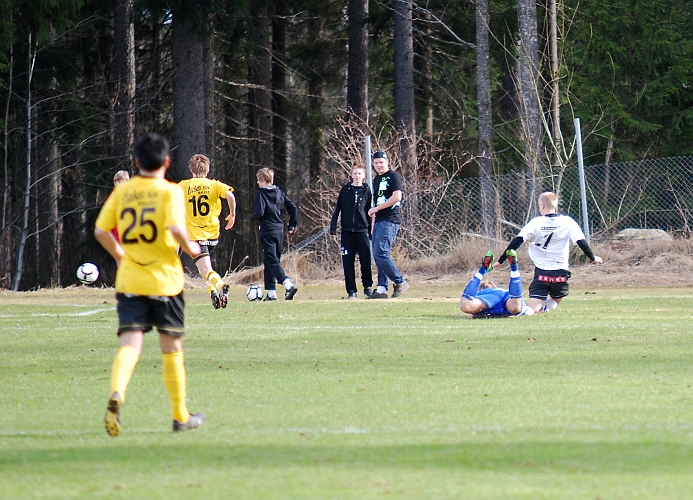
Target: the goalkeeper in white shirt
pixel 550 235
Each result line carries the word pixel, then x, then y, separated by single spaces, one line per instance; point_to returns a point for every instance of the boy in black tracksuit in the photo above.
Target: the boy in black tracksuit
pixel 270 202
pixel 353 202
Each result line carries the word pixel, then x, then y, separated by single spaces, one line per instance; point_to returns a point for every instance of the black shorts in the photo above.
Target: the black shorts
pixel 142 312
pixel 206 246
pixel 553 283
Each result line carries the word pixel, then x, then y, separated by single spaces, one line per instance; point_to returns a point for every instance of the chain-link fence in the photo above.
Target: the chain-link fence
pixel 653 194
pixel 440 214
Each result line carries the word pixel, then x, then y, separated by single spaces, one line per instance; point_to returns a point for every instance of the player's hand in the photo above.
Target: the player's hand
pixel 372 212
pixel 333 233
pixel 230 221
pixel 496 264
pixel 292 229
pixel 598 260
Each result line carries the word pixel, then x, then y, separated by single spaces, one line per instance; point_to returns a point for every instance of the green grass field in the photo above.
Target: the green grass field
pixel 327 398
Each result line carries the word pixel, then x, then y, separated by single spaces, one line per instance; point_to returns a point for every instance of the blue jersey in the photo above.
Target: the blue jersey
pixel 495 299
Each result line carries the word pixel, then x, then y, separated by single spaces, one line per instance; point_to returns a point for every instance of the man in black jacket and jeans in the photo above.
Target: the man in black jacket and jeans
pixel 353 202
pixel 270 202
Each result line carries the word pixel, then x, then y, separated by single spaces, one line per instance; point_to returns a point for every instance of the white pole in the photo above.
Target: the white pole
pixel 369 167
pixel 581 171
pixel 369 178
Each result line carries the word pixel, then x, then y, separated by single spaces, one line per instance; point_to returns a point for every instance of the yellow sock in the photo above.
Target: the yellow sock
pixel 123 368
pixel 174 378
pixel 214 280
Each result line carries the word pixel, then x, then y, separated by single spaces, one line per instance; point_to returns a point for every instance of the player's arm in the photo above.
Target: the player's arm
pixel 180 234
pixel 259 207
pixel 335 214
pixel 392 200
pixel 585 247
pixel 231 218
pixel 369 202
pixel 514 245
pixel 293 213
pixel 106 239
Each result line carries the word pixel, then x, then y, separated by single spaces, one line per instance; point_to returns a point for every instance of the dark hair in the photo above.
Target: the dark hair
pixel 151 151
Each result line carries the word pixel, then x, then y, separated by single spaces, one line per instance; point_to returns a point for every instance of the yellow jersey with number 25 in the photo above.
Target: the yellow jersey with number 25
pixel 202 206
pixel 143 209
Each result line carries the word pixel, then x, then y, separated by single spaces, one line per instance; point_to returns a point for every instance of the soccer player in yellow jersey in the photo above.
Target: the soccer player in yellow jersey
pixel 149 213
pixel 203 206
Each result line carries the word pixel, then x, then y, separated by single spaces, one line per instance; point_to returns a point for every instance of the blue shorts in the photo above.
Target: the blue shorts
pixel 495 299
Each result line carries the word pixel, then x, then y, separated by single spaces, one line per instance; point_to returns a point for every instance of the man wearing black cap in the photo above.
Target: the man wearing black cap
pixel 387 192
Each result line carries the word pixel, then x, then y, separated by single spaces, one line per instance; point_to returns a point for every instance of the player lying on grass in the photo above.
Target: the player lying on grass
pixel 551 234
pixel 480 300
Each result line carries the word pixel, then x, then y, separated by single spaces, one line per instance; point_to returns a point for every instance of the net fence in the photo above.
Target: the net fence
pixel 649 194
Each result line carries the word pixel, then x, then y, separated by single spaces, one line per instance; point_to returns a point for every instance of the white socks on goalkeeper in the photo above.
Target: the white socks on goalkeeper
pixel 548 305
pixel 287 283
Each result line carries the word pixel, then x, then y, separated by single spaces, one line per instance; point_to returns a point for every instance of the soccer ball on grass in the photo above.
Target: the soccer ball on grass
pixel 88 273
pixel 254 292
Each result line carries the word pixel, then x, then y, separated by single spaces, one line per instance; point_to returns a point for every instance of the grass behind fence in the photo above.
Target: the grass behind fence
pixel 328 398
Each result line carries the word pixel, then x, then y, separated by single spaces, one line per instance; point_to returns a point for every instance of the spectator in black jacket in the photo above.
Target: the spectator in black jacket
pixel 270 202
pixel 353 202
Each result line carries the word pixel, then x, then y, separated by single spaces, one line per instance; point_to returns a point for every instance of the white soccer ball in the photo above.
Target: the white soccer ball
pixel 254 292
pixel 88 273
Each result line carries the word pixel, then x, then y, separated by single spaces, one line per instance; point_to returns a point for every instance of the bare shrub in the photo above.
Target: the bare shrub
pixel 464 254
pixel 672 254
pixel 429 191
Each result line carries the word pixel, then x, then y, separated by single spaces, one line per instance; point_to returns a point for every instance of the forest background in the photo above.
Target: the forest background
pixel 453 89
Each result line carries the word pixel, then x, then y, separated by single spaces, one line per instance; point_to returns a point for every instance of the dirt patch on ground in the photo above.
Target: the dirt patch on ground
pixel 626 263
pixel 606 276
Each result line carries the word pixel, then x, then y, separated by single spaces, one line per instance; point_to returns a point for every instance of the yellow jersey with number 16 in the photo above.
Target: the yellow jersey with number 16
pixel 143 209
pixel 203 205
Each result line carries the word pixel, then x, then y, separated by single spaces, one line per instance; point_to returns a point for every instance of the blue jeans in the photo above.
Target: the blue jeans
pixel 384 234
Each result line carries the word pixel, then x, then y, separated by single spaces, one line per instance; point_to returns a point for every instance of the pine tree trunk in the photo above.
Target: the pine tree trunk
pixel 49 227
pixel 555 87
pixel 5 236
pixel 259 97
pixel 530 94
pixel 124 105
pixel 606 187
pixel 314 132
pixel 405 112
pixel 483 93
pixel 357 74
pixel 259 110
pixel 429 78
pixel 210 113
pixel 279 144
pixel 315 109
pixel 26 203
pixel 187 47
